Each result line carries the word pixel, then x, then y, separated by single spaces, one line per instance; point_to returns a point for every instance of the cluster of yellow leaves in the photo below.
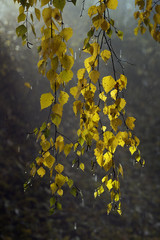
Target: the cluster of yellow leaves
pixel 90 112
pixel 56 61
pixel 148 17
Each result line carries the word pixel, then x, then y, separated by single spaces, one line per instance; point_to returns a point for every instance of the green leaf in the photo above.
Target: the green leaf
pixel 59 206
pixel 52 201
pixel 51 211
pixel 21 30
pixel 59 4
pixel 120 34
pixel 74 191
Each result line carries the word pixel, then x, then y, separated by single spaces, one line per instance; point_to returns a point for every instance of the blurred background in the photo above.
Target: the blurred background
pixel 25 215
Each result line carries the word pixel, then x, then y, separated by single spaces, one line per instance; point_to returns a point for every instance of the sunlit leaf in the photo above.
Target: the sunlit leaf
pixel 81 166
pixel 63 97
pixel 102 96
pixel 108 83
pixel 66 33
pixel 112 4
pixel 49 161
pixel 28 85
pixel 60 192
pixel 67 62
pixel 105 55
pixel 53 187
pixel 59 168
pixel 41 171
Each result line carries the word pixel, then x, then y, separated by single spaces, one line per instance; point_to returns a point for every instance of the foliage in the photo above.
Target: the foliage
pixel 99 100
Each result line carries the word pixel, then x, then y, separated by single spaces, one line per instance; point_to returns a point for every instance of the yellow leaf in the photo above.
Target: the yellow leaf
pixel 60 180
pixel 130 122
pixel 80 73
pixel 67 149
pixel 21 17
pixel 109 184
pixel 66 33
pixel 66 76
pixel 116 197
pixel 132 149
pixel 157 8
pixel 47 16
pixel 58 109
pixel 105 55
pixel 94 76
pixel 120 169
pixel 136 31
pixel 105 179
pixel 120 103
pixel 41 171
pixel 21 9
pixel 104 128
pixel 46 100
pixel 112 4
pixel 59 168
pixel 156 18
pixel 113 94
pixel 63 97
pixel 87 64
pixel 99 159
pixel 116 185
pixel 138 156
pixel 95 194
pixel 120 34
pixel 67 62
pixel 49 161
pixel 33 171
pixel 77 106
pixel 109 208
pixel 60 192
pixel 44 2
pixel 42 66
pixel 100 190
pixel 108 83
pixel 81 166
pixel 56 119
pixel 59 143
pixel 28 85
pixel 107 161
pixel 92 11
pixel 45 145
pixel 53 187
pixel 38 14
pixel 74 91
pixel 102 96
pixel 122 82
pixel 97 21
pixel 56 15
